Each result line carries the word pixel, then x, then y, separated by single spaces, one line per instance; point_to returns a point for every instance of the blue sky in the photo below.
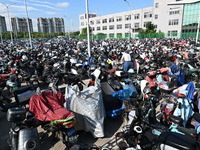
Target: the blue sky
pixel 68 9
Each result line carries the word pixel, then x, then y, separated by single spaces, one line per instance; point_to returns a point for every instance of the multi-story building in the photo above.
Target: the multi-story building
pixel 3 27
pixel 50 25
pixel 20 24
pixel 168 16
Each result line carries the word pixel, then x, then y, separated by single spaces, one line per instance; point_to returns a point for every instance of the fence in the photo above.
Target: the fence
pixel 150 35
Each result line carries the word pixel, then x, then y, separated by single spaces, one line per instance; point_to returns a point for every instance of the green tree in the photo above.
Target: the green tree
pixel 150 28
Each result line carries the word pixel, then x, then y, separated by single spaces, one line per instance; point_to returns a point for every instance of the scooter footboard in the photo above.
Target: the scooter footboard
pixel 28 139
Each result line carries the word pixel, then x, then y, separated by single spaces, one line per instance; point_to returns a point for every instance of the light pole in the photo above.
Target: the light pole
pixel 9 21
pixel 131 15
pixel 69 26
pixel 88 29
pixel 27 19
pixel 128 4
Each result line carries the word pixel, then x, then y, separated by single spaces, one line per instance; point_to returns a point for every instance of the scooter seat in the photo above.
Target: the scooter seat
pixel 21 90
pixel 175 119
pixel 178 141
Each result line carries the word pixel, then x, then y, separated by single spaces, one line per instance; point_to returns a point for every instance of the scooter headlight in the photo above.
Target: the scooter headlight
pixel 30 144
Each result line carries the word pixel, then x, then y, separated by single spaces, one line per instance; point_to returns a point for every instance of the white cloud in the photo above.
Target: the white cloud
pixel 50 12
pixel 22 8
pixel 64 4
pixel 42 2
pixel 47 6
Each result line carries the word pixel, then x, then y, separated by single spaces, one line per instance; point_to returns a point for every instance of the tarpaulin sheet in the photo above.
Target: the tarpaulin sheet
pixel 88 104
pixel 49 106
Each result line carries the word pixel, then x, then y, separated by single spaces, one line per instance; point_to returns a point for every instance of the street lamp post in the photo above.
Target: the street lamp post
pixel 29 32
pixel 128 4
pixel 69 26
pixel 9 21
pixel 88 29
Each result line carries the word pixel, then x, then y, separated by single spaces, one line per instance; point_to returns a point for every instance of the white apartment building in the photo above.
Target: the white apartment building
pixel 171 17
pixel 3 27
pixel 20 24
pixel 50 25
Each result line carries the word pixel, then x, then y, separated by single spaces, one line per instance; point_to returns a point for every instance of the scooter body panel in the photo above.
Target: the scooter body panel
pixel 28 139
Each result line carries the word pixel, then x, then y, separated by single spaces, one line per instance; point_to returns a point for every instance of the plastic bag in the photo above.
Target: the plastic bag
pixel 122 94
pixel 88 105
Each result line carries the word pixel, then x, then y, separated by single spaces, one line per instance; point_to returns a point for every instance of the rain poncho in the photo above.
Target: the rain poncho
pixel 185 111
pixel 175 71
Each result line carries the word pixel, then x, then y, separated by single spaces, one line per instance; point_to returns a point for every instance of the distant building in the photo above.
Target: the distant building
pixel 173 17
pixel 20 24
pixel 50 25
pixel 3 27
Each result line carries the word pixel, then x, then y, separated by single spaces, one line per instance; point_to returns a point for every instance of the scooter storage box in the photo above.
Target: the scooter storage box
pixel 25 96
pixel 16 114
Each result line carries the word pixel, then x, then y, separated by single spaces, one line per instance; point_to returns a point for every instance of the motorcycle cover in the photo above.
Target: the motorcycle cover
pixel 89 108
pixel 49 106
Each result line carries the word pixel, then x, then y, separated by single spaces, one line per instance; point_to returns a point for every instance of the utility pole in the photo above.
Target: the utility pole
pixel 88 29
pixel 27 19
pixel 9 21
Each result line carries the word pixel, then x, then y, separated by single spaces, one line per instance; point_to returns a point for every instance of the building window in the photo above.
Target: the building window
pixel 147 15
pixel 174 12
pixel 156 16
pixel 173 22
pixel 119 26
pixel 127 26
pixel 98 28
pixel 104 21
pixel 119 18
pixel 137 16
pixel 93 29
pixel 98 21
pixel 111 27
pixel 82 23
pixel 137 25
pixel 104 27
pixel 156 26
pixel 111 19
pixel 82 17
pixel 127 17
pixel 156 5
pixel 91 22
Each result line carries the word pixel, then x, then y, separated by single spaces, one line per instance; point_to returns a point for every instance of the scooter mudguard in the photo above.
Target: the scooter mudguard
pixel 28 139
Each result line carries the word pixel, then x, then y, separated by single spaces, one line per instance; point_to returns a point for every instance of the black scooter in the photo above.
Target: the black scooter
pixel 21 98
pixel 22 135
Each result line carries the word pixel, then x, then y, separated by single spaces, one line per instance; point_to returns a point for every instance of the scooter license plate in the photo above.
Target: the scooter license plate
pixel 73 139
pixel 71 131
pixel 15 88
